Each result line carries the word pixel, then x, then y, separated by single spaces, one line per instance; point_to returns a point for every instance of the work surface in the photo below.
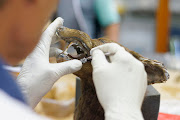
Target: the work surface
pixel 64 90
pixel 170 89
pixel 170 94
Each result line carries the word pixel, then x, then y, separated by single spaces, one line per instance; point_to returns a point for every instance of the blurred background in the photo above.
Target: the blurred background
pixel 149 27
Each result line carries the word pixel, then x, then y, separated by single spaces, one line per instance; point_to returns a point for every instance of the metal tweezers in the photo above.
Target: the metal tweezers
pixel 84 60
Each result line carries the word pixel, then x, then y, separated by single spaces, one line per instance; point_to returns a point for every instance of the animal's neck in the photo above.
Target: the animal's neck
pixel 88 107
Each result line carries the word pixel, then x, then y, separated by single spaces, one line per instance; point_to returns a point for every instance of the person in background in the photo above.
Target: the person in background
pixel 95 17
pixel 120 84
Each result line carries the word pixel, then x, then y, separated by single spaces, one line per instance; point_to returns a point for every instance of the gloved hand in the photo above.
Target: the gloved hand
pixel 120 84
pixel 38 75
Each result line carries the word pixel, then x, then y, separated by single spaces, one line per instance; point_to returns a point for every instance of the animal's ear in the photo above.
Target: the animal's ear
pixel 156 71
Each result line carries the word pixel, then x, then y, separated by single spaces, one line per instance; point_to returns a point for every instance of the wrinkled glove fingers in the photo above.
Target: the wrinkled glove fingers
pixel 67 67
pixel 49 35
pixel 50 31
pixel 111 48
pixel 116 51
pixel 54 52
pixel 98 58
pixel 122 56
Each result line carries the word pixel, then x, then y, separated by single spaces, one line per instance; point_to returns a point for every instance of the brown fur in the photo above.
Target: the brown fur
pixel 88 107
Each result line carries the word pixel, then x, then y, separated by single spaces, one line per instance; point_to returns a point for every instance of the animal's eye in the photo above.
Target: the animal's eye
pixel 78 49
pixel 75 51
pixel 72 51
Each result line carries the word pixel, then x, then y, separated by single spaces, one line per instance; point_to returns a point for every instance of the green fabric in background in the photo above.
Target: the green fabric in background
pixel 106 12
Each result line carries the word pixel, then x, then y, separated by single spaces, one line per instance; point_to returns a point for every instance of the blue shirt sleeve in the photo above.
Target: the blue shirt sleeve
pixel 8 84
pixel 106 12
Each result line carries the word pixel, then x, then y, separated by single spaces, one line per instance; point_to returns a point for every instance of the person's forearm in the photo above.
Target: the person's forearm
pixel 112 32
